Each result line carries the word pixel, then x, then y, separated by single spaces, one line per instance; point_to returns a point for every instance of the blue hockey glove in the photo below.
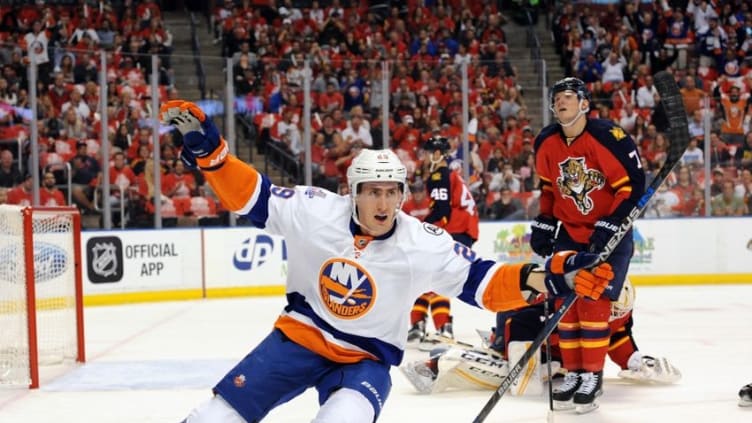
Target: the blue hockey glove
pixel 568 270
pixel 202 144
pixel 543 235
pixel 605 228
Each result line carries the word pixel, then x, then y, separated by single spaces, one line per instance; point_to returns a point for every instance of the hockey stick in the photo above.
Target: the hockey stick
pixel 550 416
pixel 679 135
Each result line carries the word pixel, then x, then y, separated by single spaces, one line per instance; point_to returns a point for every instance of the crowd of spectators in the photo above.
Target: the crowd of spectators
pixel 65 41
pixel 422 45
pixel 617 48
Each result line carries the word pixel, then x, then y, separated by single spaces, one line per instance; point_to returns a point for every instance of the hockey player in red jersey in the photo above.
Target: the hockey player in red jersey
pixel 591 178
pixel 356 263
pixel 452 208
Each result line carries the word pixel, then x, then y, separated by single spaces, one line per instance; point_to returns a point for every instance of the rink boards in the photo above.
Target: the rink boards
pixel 171 264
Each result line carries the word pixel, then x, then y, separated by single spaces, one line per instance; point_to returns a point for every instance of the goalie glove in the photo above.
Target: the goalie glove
pixel 203 147
pixel 570 270
pixel 644 368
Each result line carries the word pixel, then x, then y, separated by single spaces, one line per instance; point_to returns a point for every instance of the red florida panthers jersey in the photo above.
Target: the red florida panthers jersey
pixel 599 174
pixel 452 205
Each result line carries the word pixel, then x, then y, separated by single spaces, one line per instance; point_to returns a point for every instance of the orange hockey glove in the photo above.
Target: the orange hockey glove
pixel 567 270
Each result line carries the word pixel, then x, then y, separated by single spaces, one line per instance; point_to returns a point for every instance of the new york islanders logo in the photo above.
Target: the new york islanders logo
pixel 577 181
pixel 347 290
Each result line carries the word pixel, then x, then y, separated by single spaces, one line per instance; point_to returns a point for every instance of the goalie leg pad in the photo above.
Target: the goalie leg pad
pixel 645 368
pixel 529 382
pixel 462 368
pixel 419 375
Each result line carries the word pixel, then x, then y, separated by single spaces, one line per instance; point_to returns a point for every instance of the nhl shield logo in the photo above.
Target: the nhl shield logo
pixel 105 259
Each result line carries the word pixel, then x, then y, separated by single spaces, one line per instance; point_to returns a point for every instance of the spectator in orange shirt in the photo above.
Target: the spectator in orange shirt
pixel 693 97
pixel 50 195
pixel 684 190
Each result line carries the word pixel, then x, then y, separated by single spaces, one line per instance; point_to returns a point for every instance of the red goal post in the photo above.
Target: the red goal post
pixel 41 294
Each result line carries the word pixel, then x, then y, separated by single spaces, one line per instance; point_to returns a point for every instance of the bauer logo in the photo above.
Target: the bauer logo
pixel 50 261
pixel 347 290
pixel 104 258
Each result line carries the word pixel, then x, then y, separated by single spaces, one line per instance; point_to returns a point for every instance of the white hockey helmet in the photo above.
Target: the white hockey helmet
pixel 625 303
pixel 375 166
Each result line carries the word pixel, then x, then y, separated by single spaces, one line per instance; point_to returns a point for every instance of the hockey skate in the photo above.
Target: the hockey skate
pixel 590 389
pixel 444 335
pixel 417 332
pixel 420 375
pixel 564 393
pixel 447 330
pixel 745 396
pixel 644 368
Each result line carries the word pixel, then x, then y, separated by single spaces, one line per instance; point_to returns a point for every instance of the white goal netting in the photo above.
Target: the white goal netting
pixel 55 309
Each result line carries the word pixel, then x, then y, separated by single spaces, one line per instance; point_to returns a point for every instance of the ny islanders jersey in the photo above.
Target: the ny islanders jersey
pixel 598 174
pixel 349 296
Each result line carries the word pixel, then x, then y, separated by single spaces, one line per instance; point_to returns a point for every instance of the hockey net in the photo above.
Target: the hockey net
pixel 41 310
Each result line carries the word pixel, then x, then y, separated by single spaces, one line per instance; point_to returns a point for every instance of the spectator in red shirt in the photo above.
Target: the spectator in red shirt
pixel 120 174
pixel 21 194
pixel 50 195
pixel 419 204
pixel 331 100
pixel 179 183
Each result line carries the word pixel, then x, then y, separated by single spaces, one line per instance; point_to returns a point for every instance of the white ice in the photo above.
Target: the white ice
pixel 154 362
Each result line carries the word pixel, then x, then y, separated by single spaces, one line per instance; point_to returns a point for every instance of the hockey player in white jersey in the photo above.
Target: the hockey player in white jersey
pixel 356 264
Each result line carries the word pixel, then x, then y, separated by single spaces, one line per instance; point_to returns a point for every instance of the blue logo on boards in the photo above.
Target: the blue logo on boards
pixel 254 252
pixel 50 261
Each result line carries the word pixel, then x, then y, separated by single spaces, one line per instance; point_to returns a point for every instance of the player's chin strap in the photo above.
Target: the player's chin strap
pixel 580 112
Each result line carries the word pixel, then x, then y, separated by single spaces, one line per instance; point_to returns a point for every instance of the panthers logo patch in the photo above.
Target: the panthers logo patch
pixel 347 290
pixel 577 181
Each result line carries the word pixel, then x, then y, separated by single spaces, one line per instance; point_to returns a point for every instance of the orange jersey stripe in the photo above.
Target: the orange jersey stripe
pixel 311 338
pixel 234 183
